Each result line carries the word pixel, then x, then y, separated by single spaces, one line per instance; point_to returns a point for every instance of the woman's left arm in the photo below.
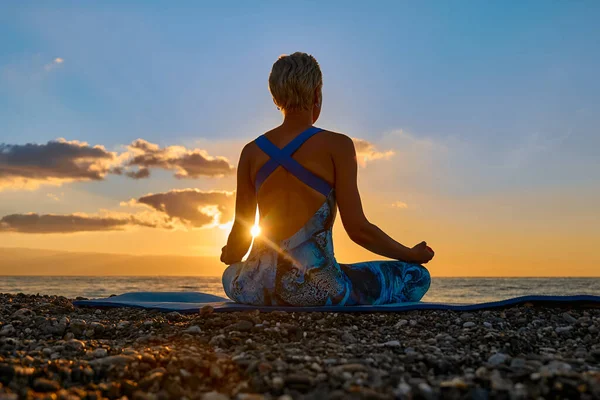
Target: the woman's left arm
pixel 245 212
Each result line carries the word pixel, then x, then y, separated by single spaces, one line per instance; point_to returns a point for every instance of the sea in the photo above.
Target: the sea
pixel 452 290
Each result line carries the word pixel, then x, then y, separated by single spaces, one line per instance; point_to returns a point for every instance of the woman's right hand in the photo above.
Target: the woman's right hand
pixel 421 253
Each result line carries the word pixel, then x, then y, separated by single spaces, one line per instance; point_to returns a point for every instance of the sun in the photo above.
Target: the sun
pixel 255 231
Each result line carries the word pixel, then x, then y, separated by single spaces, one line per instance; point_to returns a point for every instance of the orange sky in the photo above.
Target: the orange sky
pixel 550 232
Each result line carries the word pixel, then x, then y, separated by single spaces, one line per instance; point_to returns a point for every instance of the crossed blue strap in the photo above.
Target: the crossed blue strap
pixel 283 157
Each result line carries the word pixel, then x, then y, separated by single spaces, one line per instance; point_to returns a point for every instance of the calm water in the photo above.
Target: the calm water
pixel 442 289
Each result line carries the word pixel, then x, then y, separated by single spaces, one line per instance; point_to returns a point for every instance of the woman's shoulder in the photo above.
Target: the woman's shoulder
pixel 339 142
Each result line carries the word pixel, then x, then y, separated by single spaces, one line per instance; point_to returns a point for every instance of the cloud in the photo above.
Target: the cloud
pixel 55 63
pixel 55 197
pixel 366 152
pixel 60 161
pixel 141 173
pixel 192 207
pixel 69 223
pixel 399 204
pixel 56 162
pixel 185 163
pixel 177 209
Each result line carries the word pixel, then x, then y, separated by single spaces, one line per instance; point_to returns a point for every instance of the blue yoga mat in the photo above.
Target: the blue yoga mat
pixel 191 302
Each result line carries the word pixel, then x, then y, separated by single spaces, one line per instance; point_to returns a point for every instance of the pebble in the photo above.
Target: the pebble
pixel 498 359
pixel 75 345
pixel 206 310
pixel 295 355
pixel 278 383
pixel 563 329
pixel 77 326
pixel 45 385
pixel 114 360
pixel 241 326
pixel 517 363
pixel 7 330
pixel 22 314
pixel 400 323
pixel 569 318
pixel 100 352
pixel 214 396
pixel 174 316
pixel 194 329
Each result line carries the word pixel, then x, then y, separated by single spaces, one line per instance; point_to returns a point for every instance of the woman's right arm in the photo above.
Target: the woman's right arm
pixel 356 224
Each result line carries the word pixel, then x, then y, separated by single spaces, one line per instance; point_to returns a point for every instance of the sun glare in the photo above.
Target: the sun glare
pixel 255 231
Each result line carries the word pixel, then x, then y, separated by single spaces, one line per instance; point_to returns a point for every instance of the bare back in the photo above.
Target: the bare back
pixel 286 203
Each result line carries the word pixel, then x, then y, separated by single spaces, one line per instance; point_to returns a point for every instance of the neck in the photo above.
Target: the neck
pixel 297 119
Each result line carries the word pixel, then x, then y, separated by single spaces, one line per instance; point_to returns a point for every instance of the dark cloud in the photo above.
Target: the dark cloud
pixel 59 161
pixel 185 163
pixel 55 162
pixel 139 174
pixel 193 207
pixel 71 223
pixel 183 209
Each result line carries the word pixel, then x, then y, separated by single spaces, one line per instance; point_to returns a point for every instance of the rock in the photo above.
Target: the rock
pixel 454 383
pixel 240 326
pixel 278 383
pixel 97 327
pixel 401 323
pixel 497 359
pixel 349 368
pixel 151 379
pixel 100 353
pixel 517 363
pixel 206 310
pixel 348 338
pixel 123 325
pixel 113 360
pixel 487 325
pixel 392 343
pixel 8 330
pixel 298 381
pixel 467 316
pixel 75 345
pixel 469 324
pixel 556 367
pixel 194 330
pixel 174 316
pixel 216 340
pixel 23 314
pixel 426 390
pixel 569 318
pixel 45 385
pixel 562 330
pixel 214 396
pixel 77 326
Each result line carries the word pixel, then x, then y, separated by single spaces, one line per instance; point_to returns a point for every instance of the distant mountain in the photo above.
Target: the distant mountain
pixel 20 261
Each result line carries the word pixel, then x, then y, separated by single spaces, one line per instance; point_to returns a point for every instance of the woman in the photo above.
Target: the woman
pixel 297 174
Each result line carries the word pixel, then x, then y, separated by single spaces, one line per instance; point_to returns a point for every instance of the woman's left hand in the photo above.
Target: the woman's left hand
pixel 224 254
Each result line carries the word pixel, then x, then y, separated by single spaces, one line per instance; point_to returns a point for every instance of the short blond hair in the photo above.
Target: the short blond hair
pixel 293 81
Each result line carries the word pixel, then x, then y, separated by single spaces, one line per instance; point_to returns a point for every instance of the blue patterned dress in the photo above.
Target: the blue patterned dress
pixel 302 270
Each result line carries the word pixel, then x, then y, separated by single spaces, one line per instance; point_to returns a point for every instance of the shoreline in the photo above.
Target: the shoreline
pixel 50 349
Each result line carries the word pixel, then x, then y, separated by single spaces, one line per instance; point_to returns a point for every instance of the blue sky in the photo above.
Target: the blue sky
pixel 487 72
pixel 506 93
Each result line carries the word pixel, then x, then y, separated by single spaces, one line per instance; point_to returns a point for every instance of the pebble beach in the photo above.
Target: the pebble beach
pixel 52 350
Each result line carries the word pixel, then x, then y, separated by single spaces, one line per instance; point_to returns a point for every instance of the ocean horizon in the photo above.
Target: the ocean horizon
pixel 443 289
